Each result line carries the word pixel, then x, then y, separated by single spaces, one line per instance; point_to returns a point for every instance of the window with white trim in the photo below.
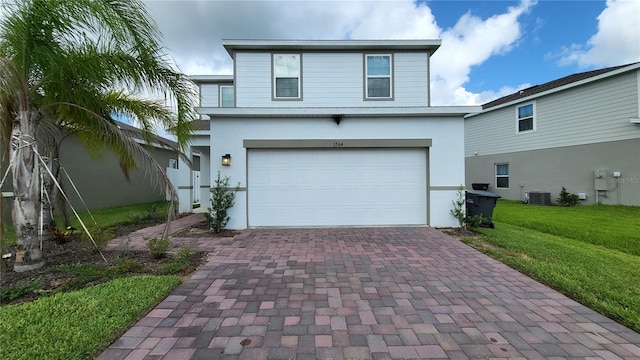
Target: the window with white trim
pixel 502 176
pixel 526 118
pixel 378 77
pixel 173 163
pixel 226 96
pixel 286 76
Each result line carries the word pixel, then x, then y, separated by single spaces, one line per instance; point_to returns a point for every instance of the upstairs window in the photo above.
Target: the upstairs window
pixel 378 73
pixel 226 96
pixel 502 176
pixel 526 118
pixel 286 76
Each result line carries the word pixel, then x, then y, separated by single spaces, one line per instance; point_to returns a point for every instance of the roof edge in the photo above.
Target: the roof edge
pixel 233 45
pixel 581 79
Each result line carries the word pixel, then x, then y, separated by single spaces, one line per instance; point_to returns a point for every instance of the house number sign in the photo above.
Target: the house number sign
pixel 338 144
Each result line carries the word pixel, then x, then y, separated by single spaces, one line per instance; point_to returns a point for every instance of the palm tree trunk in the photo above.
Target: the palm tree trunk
pixel 50 202
pixel 26 188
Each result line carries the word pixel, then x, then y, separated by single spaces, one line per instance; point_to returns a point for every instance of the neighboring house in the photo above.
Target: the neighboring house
pixel 581 132
pixel 100 180
pixel 331 133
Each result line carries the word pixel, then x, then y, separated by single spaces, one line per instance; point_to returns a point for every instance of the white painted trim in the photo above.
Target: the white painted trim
pixel 533 118
pixel 274 77
pixel 345 111
pixel 233 92
pixel 635 121
pixel 367 77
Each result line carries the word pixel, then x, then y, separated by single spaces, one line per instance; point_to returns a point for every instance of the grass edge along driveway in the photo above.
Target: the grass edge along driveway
pixel 78 324
pixel 604 279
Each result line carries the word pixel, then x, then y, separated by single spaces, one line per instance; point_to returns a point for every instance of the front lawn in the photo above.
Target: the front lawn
pixel 589 253
pixel 614 227
pixel 76 325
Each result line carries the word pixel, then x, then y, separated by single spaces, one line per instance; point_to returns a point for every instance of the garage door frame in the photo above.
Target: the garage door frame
pixel 307 144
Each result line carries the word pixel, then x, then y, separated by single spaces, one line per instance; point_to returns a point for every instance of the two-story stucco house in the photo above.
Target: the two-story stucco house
pixel 581 132
pixel 330 133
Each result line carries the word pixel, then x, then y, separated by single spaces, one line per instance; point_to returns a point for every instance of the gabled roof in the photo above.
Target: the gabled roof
pixel 428 45
pixel 567 80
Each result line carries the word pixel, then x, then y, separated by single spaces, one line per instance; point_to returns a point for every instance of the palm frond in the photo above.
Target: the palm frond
pixel 74 63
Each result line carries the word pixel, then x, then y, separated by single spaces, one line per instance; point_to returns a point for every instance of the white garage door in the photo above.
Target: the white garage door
pixel 337 187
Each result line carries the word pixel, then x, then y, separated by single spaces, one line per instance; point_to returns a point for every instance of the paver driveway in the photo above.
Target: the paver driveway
pixel 365 293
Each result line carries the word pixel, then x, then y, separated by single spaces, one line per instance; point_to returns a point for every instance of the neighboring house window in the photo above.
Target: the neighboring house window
pixel 502 176
pixel 286 76
pixel 378 73
pixel 526 118
pixel 173 163
pixel 226 96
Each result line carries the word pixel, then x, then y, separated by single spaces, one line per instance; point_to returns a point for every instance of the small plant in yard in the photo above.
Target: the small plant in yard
pixel 124 266
pixel 567 199
pixel 222 198
pixel 459 211
pixel 474 221
pixel 181 261
pixel 100 236
pixel 158 247
pixel 9 293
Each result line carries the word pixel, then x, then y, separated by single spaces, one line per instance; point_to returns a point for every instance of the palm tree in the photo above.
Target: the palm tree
pixel 69 65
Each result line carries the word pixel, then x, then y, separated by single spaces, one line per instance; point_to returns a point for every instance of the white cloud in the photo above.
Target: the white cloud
pixel 193 31
pixel 616 42
pixel 469 43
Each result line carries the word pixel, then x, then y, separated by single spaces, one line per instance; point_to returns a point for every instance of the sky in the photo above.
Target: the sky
pixel 489 48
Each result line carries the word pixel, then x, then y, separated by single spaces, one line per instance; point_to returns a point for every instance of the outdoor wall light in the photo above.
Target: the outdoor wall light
pixel 337 119
pixel 226 160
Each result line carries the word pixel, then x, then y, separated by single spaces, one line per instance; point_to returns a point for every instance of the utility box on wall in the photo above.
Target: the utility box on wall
pixel 600 179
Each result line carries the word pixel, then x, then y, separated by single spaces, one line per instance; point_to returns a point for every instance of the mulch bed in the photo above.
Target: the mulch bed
pixel 460 233
pixel 202 230
pixel 78 252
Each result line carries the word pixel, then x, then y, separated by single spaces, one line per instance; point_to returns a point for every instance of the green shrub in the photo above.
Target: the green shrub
pixel 158 247
pixel 459 211
pixel 567 199
pixel 222 198
pixel 474 221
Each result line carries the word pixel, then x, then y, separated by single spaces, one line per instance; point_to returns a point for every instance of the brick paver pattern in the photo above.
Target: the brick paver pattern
pixel 364 293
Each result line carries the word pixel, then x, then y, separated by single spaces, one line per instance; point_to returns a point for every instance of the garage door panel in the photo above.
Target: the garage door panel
pixel 336 187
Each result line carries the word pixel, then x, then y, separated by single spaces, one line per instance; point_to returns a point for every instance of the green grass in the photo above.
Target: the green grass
pixel 107 218
pixel 585 252
pixel 78 324
pixel 614 227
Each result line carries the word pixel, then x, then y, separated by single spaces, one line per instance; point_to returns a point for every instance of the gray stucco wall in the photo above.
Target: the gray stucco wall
pixel 100 180
pixel 572 167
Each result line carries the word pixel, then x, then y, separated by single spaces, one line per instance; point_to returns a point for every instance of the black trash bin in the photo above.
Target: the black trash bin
pixel 480 202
